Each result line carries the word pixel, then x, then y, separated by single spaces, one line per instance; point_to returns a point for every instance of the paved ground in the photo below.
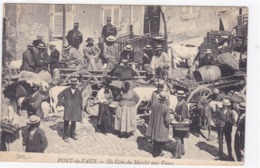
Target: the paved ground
pixel 92 142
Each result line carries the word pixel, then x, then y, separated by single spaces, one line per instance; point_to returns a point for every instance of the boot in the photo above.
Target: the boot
pixel 72 131
pixel 66 132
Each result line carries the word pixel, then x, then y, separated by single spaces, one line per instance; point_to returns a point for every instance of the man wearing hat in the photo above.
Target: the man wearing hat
pixel 91 54
pixel 54 62
pixel 147 57
pixel 240 132
pixel 74 59
pixel 74 36
pixel 224 121
pixel 34 138
pixel 127 54
pixel 71 99
pixel 207 59
pixel 108 30
pixel 181 113
pixel 111 52
pixel 158 126
pixel 160 61
pixel 28 63
pixel 41 58
pixel 35 102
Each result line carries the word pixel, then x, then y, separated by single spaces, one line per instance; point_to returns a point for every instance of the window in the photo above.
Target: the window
pixel 58 19
pixel 114 12
pixel 190 12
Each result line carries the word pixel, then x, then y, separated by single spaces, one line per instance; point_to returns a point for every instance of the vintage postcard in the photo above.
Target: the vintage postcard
pixel 124 84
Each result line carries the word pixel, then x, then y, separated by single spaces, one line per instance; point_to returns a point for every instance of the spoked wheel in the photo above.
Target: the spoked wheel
pixel 197 94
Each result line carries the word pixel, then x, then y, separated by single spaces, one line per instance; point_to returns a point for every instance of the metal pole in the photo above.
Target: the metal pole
pixel 64 25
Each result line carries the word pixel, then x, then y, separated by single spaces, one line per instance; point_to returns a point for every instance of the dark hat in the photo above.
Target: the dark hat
pixel 109 18
pixel 76 23
pixel 90 40
pixel 66 47
pixel 30 46
pixel 111 38
pixel 41 46
pixel 73 80
pixel 180 93
pixel 128 48
pixel 148 47
pixel 242 106
pixel 158 47
pixel 33 119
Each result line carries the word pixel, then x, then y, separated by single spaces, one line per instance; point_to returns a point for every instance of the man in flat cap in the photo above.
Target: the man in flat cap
pixel 108 30
pixel 28 63
pixel 74 36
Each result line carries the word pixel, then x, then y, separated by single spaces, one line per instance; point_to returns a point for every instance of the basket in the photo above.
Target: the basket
pixel 7 127
pixel 180 126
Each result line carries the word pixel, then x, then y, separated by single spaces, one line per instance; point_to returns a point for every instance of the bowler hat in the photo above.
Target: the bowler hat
pixel 180 93
pixel 242 105
pixel 148 47
pixel 66 47
pixel 41 46
pixel 208 51
pixel 162 96
pixel 33 119
pixel 90 40
pixel 128 48
pixel 226 102
pixel 111 38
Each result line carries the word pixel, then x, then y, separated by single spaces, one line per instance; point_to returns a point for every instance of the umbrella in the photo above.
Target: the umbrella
pixel 123 72
pixel 17 90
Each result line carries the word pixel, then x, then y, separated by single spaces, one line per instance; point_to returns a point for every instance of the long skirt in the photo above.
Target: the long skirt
pixel 104 118
pixel 125 119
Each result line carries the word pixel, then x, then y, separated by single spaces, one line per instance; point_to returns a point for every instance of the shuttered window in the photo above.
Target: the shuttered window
pixel 114 12
pixel 190 12
pixel 58 19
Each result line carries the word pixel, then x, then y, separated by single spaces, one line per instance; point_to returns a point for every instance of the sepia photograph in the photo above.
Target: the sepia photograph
pixel 124 84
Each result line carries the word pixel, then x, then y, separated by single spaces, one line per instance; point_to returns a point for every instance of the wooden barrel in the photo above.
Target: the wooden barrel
pixel 206 73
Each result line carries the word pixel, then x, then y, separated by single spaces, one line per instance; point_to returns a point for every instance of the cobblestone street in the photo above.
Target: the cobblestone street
pixel 92 142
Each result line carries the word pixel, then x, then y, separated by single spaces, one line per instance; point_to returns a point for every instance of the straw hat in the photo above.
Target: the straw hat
pixel 73 80
pixel 52 45
pixel 128 48
pixel 148 47
pixel 180 93
pixel 41 46
pixel 33 119
pixel 208 51
pixel 111 38
pixel 241 106
pixel 66 47
pixel 158 47
pixel 39 37
pixel 216 91
pixel 226 102
pixel 29 46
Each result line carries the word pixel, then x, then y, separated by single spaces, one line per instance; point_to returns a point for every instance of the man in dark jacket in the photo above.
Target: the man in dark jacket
pixel 35 102
pixel 181 113
pixel 158 127
pixel 71 99
pixel 28 63
pixel 224 121
pixel 207 59
pixel 75 37
pixel 34 138
pixel 41 59
pixel 54 62
pixel 108 30
pixel 240 132
pixel 38 41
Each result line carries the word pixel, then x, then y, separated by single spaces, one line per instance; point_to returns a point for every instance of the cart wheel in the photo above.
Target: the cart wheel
pixel 91 79
pixel 5 80
pixel 197 94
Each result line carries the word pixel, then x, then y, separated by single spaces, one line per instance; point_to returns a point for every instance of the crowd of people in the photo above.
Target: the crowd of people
pixel 116 114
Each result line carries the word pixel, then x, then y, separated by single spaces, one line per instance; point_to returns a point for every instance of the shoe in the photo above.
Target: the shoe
pixel 231 158
pixel 66 139
pixel 218 158
pixel 74 137
pixel 174 157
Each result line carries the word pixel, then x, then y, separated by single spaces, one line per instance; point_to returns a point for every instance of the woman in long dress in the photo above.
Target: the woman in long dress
pixel 105 97
pixel 125 119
